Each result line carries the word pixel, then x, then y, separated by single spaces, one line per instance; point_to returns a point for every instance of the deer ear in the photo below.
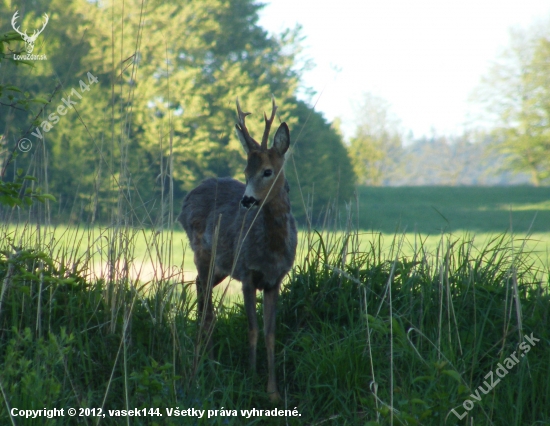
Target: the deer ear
pixel 243 140
pixel 281 141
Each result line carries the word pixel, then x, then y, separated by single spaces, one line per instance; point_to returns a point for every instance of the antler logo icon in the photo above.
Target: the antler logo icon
pixel 29 40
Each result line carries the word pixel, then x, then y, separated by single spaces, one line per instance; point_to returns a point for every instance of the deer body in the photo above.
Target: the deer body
pixel 256 236
pixel 269 247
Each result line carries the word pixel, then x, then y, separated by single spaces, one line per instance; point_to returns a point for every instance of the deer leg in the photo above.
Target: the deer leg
pixel 270 306
pixel 205 316
pixel 204 301
pixel 249 293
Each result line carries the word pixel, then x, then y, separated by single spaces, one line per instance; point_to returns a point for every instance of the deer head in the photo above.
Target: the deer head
pixel 29 40
pixel 264 175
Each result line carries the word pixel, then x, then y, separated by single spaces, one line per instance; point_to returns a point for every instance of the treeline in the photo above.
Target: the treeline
pixel 135 105
pixel 438 160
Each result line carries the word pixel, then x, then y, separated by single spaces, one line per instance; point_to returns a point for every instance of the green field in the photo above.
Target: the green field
pixel 421 215
pixel 432 210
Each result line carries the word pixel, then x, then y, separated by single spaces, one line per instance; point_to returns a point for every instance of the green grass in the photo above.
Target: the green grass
pixel 431 210
pixel 148 252
pixel 371 328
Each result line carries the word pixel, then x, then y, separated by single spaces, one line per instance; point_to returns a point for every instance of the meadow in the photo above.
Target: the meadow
pixel 382 321
pixel 433 210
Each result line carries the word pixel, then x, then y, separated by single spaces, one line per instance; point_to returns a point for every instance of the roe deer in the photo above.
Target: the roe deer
pixel 247 232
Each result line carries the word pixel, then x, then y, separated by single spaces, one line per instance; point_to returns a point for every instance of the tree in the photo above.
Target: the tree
pixel 515 95
pixel 158 112
pixel 444 160
pixel 319 169
pixel 161 115
pixel 50 81
pixel 17 192
pixel 178 69
pixel 376 147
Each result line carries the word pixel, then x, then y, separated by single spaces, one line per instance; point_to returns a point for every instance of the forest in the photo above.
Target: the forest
pixel 151 116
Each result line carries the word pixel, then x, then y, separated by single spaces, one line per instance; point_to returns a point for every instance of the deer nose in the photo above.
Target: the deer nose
pixel 248 202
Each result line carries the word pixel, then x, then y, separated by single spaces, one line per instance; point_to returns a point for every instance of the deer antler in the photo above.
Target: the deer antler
pixel 24 35
pixel 269 122
pixel 242 127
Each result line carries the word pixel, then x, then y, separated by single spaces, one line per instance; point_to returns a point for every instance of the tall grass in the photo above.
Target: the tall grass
pixel 367 332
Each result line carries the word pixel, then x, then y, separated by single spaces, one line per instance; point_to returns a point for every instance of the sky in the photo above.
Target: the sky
pixel 425 57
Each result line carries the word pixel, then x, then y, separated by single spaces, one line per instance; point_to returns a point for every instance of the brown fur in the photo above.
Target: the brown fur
pixel 257 236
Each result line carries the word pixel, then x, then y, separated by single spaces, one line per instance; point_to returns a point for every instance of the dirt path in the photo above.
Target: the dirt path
pixel 147 272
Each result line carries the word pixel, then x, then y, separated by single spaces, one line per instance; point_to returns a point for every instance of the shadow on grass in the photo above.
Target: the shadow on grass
pixel 431 210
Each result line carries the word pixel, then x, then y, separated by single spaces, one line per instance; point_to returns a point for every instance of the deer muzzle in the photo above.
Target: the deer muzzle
pixel 248 202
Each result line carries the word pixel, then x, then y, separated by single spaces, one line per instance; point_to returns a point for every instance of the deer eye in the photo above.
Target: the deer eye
pixel 268 172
